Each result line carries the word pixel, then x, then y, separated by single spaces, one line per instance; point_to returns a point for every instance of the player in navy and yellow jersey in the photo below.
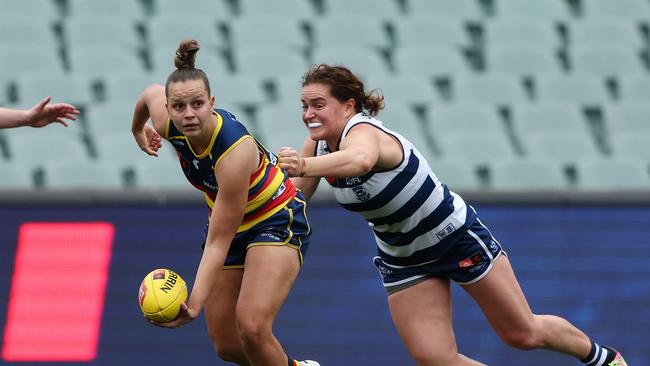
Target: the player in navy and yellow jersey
pixel 257 225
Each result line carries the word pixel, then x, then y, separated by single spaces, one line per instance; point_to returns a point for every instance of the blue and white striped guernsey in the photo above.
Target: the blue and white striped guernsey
pixel 414 217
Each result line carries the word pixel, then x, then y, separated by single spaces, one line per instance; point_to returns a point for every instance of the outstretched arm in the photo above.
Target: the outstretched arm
pixel 358 154
pixel 152 103
pixel 40 115
pixel 233 174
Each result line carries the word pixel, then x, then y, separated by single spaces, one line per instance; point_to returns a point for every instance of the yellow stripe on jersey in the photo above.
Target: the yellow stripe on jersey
pixel 232 147
pixel 261 199
pixel 262 169
pixel 266 215
pixel 268 192
pixel 250 224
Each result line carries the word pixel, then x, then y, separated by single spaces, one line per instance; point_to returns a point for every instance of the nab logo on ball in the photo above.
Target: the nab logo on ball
pixel 160 295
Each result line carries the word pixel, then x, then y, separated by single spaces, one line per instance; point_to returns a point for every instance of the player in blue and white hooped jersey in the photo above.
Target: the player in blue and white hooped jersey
pixel 426 235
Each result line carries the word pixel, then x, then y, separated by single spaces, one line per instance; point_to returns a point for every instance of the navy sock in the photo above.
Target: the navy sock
pixel 598 356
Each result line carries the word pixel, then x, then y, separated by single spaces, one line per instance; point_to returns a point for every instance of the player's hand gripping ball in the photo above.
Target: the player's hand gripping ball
pixel 161 293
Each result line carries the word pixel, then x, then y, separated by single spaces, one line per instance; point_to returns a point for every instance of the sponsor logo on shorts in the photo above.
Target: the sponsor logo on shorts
pixel 494 247
pixel 271 236
pixel 446 231
pixel 474 260
pixel 383 270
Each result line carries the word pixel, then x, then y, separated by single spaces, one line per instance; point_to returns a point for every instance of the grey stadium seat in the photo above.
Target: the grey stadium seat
pixel 613 174
pixel 555 10
pixel 82 174
pixel 428 30
pixel 527 174
pixel 466 10
pixel 438 62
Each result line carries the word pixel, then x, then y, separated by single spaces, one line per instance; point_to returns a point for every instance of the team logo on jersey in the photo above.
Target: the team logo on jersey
pixel 178 142
pixel 361 193
pixel 446 231
pixel 280 190
pixel 195 163
pixel 352 181
pixel 273 160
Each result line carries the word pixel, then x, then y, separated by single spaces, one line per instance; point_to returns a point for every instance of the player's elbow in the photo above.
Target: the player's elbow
pixel 364 163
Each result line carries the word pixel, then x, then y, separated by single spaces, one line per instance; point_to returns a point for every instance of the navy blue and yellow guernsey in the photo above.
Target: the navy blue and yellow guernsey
pixel 275 211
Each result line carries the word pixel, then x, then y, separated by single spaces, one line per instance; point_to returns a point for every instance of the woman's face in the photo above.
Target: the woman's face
pixel 190 107
pixel 324 115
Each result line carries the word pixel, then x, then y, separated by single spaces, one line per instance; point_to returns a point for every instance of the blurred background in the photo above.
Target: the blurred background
pixel 534 110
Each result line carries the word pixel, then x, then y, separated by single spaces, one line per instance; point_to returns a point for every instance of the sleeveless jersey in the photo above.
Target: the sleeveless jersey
pixel 414 217
pixel 269 188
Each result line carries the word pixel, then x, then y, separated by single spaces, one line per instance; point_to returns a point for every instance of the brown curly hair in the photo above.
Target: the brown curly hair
pixel 344 85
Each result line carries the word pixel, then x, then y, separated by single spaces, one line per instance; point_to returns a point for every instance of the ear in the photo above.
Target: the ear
pixel 212 102
pixel 350 107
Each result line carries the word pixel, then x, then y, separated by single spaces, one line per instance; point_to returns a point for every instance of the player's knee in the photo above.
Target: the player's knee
pixel 522 340
pixel 525 338
pixel 253 330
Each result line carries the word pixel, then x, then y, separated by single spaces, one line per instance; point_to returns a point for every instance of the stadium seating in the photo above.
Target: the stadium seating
pixel 78 174
pixel 553 10
pixel 474 148
pixel 280 31
pixel 15 176
pixel 527 174
pixel 39 11
pixel 119 10
pixel 536 33
pixel 631 10
pixel 160 174
pixel 334 31
pixel 522 60
pixel 268 62
pixel 578 88
pixel 628 117
pixel 519 72
pixel 299 9
pixel 612 174
pixel 561 146
pixel 428 30
pixel 465 10
pixel 606 30
pixel 377 9
pixel 363 62
pixel 456 174
pixel 481 88
pixel 438 62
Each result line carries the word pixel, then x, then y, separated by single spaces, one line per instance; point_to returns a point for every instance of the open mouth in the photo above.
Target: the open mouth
pixel 314 124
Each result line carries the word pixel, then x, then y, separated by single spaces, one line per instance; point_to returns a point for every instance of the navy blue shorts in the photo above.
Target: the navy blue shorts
pixel 468 260
pixel 287 227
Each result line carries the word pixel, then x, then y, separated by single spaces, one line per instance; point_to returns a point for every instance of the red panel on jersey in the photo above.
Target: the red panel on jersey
pixel 57 291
